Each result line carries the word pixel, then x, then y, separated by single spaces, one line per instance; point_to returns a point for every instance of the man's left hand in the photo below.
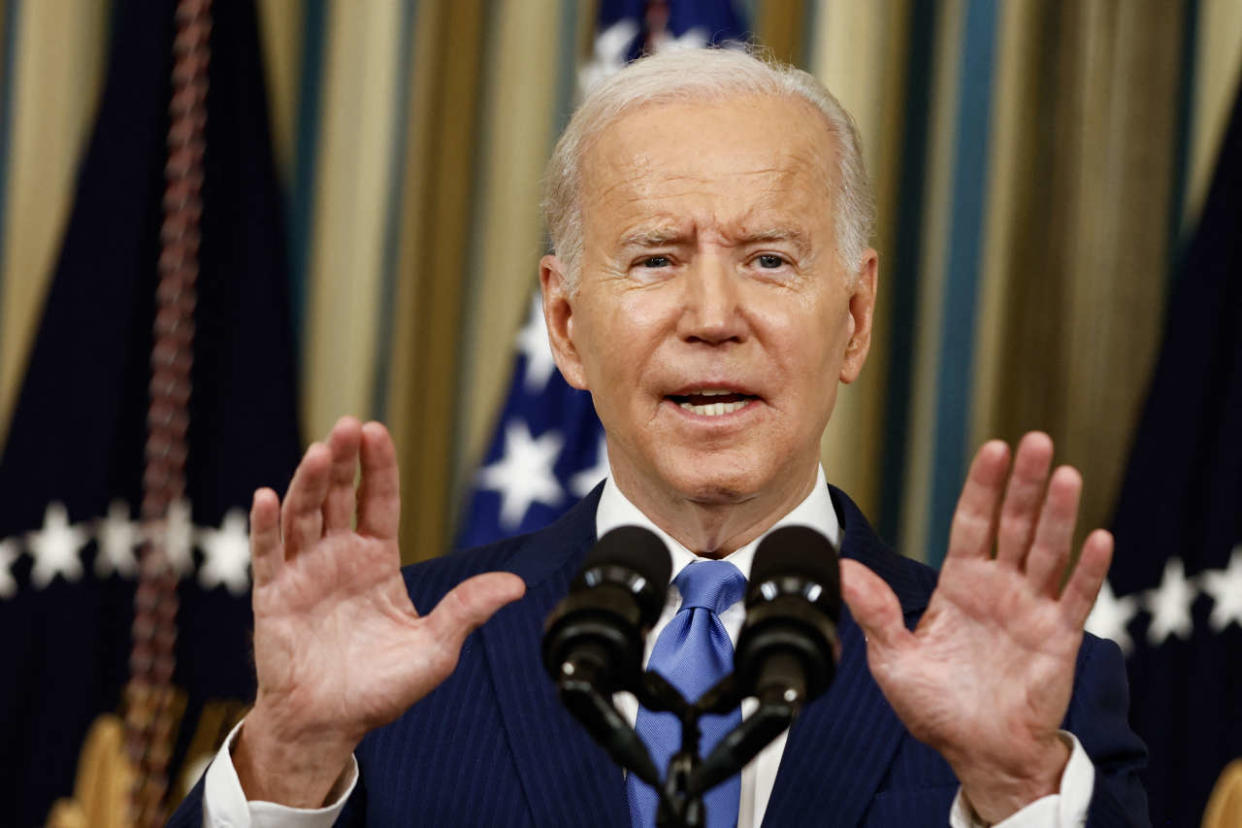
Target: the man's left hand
pixel 986 677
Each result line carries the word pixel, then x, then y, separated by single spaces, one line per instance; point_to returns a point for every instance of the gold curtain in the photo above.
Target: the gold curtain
pixel 51 87
pixel 1076 256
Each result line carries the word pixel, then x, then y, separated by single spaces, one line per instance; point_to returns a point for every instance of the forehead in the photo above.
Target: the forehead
pixel 736 161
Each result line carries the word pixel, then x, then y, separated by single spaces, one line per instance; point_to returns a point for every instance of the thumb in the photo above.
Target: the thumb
pixel 471 603
pixel 874 606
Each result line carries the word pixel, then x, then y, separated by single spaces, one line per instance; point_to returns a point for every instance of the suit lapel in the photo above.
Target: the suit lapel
pixel 567 778
pixel 840 748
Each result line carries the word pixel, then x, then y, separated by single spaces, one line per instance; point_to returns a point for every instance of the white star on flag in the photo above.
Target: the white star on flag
pixel 582 482
pixel 692 39
pixel 1169 604
pixel 8 554
pixel 226 554
pixel 611 46
pixel 523 475
pixel 55 547
pixel 1110 615
pixel 117 536
pixel 1225 587
pixel 533 343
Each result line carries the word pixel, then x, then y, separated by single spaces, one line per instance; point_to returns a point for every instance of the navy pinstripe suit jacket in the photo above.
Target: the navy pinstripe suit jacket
pixel 493 746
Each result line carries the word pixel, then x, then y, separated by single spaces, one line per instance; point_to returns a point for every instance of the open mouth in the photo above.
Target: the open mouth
pixel 712 402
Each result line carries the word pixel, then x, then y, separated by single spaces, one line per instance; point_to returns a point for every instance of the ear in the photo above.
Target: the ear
pixel 558 315
pixel 861 310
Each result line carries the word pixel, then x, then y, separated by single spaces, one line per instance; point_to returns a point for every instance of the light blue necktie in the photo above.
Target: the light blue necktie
pixel 693 652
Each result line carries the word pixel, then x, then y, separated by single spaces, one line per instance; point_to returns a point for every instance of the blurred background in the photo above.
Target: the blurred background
pixel 1036 165
pixel 1040 168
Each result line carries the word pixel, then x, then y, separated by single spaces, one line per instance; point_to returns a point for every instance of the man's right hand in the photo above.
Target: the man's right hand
pixel 339 647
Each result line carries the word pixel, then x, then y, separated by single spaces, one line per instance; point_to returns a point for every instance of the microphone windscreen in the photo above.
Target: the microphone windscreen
pixel 801 552
pixel 633 548
pixel 636 557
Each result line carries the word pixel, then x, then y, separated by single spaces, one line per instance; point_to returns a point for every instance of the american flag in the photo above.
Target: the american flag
pixel 548 450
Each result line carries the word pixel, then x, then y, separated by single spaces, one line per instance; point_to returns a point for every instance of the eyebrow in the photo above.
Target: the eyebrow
pixel 654 237
pixel 796 237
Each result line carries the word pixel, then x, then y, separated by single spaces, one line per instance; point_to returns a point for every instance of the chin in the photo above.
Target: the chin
pixel 714 483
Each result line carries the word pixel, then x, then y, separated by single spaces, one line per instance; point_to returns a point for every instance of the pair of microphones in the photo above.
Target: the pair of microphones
pixel 785 655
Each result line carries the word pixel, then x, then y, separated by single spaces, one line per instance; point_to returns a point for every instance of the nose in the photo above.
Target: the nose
pixel 711 307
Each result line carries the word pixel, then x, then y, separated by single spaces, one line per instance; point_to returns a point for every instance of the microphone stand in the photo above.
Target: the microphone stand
pixel 679 808
pixel 779 705
pixel 688 776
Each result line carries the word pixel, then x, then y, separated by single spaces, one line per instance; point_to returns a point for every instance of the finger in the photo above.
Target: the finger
pixel 874 606
pixel 1023 495
pixel 301 516
pixel 469 604
pixel 974 521
pixel 1084 584
pixel 1050 551
pixel 379 499
pixel 338 506
pixel 266 555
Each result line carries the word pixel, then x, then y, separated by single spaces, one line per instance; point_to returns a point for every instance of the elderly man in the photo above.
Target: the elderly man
pixel 711 284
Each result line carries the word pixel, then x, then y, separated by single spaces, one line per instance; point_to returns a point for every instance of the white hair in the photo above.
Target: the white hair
pixel 697 75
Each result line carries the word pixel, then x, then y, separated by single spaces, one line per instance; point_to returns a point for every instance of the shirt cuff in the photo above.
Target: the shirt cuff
pixel 1065 809
pixel 225 805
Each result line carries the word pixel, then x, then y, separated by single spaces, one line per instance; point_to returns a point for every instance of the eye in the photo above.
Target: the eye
pixel 656 261
pixel 770 261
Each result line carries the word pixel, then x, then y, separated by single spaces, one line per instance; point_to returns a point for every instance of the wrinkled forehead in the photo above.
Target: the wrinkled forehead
pixel 733 156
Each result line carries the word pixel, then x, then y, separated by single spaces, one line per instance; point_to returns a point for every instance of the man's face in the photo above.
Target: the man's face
pixel 713 318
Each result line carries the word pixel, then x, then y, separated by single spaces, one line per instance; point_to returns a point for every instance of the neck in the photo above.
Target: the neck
pixel 715 525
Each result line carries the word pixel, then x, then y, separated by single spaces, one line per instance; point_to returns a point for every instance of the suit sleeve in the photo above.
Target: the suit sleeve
pixel 189 813
pixel 1098 716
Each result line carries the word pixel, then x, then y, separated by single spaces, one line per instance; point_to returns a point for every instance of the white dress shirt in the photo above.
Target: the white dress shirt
pixel 225 805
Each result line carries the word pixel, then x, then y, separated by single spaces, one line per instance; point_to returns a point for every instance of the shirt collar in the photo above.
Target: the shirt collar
pixel 815 511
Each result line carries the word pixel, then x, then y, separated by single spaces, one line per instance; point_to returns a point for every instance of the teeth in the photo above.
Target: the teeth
pixel 715 409
pixel 712 392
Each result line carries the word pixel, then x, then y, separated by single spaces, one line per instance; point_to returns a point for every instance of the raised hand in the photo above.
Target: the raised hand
pixel 339 647
pixel 986 677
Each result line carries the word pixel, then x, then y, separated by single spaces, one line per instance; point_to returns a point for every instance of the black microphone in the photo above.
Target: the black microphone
pixel 786 647
pixel 785 651
pixel 593 639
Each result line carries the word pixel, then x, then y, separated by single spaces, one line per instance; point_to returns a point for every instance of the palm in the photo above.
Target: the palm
pixel 986 676
pixel 339 609
pixel 981 636
pixel 337 638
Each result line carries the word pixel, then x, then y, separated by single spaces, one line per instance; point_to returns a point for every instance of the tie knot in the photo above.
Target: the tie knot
pixel 711 585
